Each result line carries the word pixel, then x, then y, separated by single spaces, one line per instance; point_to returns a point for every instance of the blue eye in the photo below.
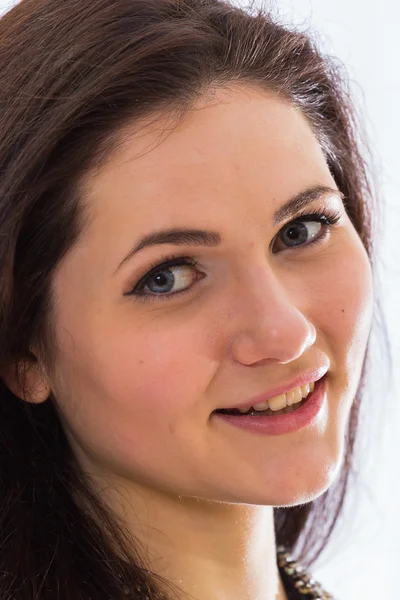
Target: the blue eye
pixel 298 233
pixel 161 275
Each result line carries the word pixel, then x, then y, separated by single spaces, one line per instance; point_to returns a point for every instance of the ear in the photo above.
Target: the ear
pixel 34 386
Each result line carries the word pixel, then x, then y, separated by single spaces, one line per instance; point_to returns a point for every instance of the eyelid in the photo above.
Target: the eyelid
pixel 165 262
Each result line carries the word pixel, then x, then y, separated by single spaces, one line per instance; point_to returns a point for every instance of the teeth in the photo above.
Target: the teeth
pixel 283 400
pixel 278 402
pixel 290 396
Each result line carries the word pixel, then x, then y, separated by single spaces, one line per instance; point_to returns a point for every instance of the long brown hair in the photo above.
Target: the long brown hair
pixel 73 75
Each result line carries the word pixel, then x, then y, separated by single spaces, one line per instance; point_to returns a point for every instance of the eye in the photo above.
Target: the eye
pixel 161 274
pixel 308 227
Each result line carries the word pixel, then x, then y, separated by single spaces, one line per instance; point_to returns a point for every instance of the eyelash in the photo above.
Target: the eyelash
pixel 327 218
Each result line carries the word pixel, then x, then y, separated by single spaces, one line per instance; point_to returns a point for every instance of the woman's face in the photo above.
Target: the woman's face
pixel 136 381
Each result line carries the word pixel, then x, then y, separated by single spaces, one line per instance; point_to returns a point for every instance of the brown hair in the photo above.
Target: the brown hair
pixel 73 75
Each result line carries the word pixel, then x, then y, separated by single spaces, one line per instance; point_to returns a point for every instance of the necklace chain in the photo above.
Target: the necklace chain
pixel 301 579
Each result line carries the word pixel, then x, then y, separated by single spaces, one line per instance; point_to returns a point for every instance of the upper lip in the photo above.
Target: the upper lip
pixel 307 377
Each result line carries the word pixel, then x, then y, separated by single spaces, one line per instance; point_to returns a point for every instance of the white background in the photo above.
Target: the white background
pixel 361 563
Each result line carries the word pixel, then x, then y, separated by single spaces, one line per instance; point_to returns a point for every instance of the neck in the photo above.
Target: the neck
pixel 210 550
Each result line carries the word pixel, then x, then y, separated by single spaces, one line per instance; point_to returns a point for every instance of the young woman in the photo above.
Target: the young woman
pixel 186 300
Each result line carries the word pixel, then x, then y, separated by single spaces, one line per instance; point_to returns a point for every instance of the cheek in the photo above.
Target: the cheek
pixel 132 389
pixel 161 369
pixel 346 302
pixel 357 304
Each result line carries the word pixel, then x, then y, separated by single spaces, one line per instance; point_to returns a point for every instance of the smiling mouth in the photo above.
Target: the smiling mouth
pixel 279 405
pixel 259 413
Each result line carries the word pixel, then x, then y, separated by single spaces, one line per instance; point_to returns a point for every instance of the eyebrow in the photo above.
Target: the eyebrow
pixel 201 237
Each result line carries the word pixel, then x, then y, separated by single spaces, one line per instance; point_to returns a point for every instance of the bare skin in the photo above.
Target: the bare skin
pixel 136 382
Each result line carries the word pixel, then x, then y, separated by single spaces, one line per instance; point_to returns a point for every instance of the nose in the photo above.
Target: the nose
pixel 268 325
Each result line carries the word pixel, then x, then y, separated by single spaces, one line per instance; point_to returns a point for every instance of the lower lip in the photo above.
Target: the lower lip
pixel 307 414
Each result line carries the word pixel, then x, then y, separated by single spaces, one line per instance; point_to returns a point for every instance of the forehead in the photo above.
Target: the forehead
pixel 232 160
pixel 222 141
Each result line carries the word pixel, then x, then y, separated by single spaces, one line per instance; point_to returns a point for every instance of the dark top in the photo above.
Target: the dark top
pixel 297 581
